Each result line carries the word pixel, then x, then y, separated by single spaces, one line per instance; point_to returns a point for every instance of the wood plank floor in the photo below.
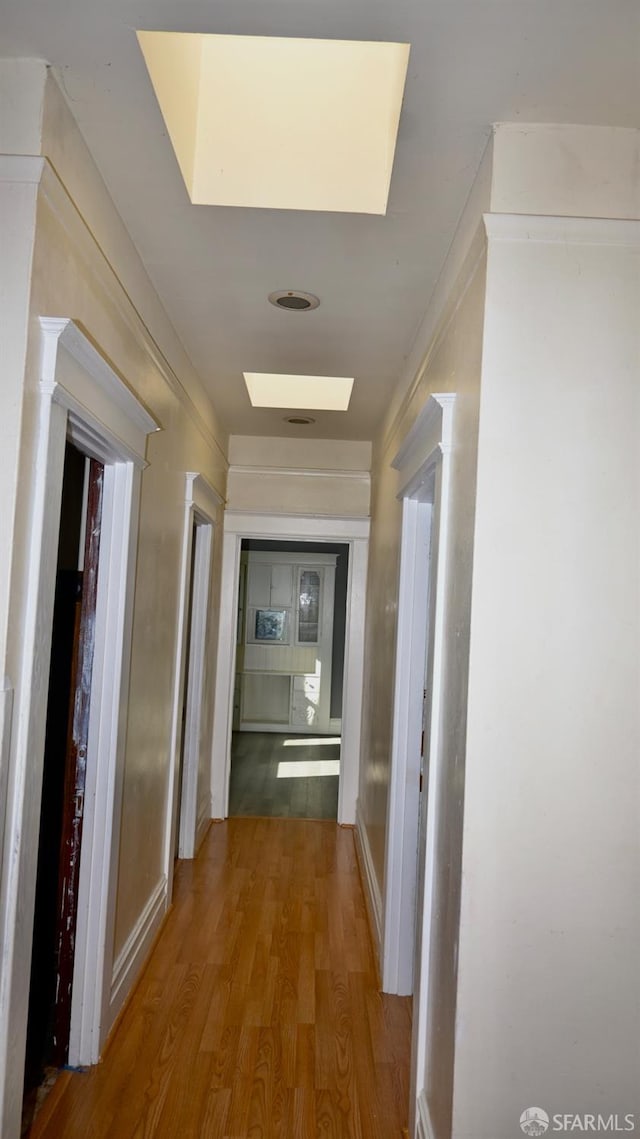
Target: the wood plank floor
pixel 258 1015
pixel 265 776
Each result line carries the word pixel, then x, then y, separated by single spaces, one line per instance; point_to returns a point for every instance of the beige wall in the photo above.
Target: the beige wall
pixel 84 267
pixel 453 366
pixel 299 476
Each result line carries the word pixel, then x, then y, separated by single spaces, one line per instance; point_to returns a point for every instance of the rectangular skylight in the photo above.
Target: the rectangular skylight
pixel 299 393
pixel 281 123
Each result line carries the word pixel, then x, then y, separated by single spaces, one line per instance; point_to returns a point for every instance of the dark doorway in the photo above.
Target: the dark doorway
pixel 65 759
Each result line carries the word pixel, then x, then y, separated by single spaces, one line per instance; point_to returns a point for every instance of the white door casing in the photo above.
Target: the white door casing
pixel 201 505
pixel 353 532
pixel 81 399
pixel 423 463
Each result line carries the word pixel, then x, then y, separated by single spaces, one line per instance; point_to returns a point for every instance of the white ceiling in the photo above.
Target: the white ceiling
pixel 472 63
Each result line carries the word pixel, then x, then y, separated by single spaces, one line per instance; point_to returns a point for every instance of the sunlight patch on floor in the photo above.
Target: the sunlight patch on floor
pixel 307 768
pixel 307 742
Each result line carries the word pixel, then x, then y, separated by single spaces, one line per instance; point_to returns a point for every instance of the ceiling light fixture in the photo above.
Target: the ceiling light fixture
pixel 299 420
pixel 293 300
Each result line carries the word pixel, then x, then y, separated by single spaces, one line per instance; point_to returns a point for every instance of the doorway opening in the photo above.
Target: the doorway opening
pixel 65 769
pixel 297 529
pixel 288 681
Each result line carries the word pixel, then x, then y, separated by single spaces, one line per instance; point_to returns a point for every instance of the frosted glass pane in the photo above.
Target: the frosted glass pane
pixel 308 606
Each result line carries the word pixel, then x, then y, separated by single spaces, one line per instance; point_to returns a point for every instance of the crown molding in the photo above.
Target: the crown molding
pixel 297 472
pixel 545 229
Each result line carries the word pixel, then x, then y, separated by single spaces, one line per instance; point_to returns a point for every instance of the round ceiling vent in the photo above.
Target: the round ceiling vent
pixel 293 300
pixel 299 420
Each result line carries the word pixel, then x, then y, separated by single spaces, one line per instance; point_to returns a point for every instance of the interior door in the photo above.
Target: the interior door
pixel 76 764
pixel 64 768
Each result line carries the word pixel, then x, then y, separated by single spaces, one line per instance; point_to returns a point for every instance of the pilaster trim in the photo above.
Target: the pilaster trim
pixel 200 493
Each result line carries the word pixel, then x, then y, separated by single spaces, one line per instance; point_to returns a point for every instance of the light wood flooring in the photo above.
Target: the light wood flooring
pixel 258 1015
pixel 258 785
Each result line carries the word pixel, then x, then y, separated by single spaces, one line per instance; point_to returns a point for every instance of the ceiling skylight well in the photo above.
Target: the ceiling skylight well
pixel 304 393
pixel 280 123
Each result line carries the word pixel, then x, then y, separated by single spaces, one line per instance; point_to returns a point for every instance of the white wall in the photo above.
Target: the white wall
pixel 84 266
pixel 549 992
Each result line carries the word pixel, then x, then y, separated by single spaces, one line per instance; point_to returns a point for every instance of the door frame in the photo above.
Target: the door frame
pixel 82 399
pixel 353 532
pixel 201 505
pixel 423 463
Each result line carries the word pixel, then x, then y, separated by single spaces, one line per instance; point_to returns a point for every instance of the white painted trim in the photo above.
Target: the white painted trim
pixel 370 882
pixel 201 495
pixel 401 854
pixel 351 531
pixel 87 410
pixel 26 762
pixel 299 472
pixel 202 503
pixel 67 335
pixel 431 431
pixel 424 1126
pixel 136 948
pixel 430 820
pixel 97 888
pixel 195 690
pixel 424 475
pixel 562 230
pixel 416 461
pixel 6 707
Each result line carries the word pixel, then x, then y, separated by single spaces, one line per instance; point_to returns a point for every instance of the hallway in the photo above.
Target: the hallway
pixel 258 1016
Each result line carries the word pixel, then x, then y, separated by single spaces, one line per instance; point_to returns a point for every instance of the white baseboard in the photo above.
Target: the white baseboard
pixel 136 948
pixel 424 1127
pixel 372 889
